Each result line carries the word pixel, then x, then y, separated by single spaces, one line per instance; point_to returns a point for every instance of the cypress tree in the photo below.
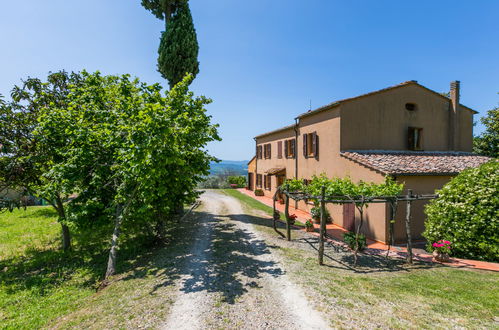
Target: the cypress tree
pixel 178 49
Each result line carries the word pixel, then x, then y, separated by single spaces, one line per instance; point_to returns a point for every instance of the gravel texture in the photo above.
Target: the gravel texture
pixel 233 279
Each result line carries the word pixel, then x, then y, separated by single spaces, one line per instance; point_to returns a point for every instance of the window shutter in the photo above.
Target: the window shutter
pixel 279 149
pixel 410 138
pixel 305 145
pixel 270 148
pixel 293 148
pixel 314 144
pixel 270 182
pixel 316 147
pixel 286 149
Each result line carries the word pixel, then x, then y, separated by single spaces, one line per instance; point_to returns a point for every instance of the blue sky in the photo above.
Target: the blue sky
pixel 263 61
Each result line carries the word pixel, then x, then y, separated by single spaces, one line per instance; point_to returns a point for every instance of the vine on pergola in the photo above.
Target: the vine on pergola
pixel 323 190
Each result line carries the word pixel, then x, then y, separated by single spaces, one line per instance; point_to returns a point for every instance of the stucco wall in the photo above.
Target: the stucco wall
pixel 263 165
pixel 384 119
pixel 379 121
pixel 419 185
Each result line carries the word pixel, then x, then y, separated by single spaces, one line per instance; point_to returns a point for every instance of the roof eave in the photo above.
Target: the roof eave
pixel 282 129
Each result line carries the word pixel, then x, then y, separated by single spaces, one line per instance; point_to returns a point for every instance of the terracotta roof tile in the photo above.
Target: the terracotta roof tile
pixel 415 163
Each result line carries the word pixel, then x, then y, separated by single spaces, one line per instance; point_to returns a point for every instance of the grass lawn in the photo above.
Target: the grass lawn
pixel 42 286
pixel 254 204
pixel 384 293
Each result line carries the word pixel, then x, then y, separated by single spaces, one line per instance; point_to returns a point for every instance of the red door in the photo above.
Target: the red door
pixel 349 216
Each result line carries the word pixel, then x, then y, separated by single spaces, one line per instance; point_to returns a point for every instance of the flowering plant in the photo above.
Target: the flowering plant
pixel 442 246
pixel 293 217
pixel 309 224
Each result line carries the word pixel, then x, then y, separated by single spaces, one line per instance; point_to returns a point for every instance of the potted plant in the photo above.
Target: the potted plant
pixel 309 226
pixel 441 250
pixel 259 192
pixel 292 219
pixel 281 201
pixel 315 212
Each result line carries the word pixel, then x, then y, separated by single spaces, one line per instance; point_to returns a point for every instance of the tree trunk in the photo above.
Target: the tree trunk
pixel 276 215
pixel 111 263
pixel 357 232
pixel 66 236
pixel 286 214
pixel 408 227
pixel 322 227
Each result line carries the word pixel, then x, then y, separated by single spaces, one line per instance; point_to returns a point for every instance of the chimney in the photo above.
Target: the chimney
pixel 454 116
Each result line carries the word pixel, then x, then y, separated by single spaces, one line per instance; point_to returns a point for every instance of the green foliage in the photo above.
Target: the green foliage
pixel 467 214
pixel 239 180
pixel 259 192
pixel 178 49
pixel 214 182
pixel 351 240
pixel 26 160
pixel 129 145
pixel 162 9
pixel 344 188
pixel 309 224
pixel 315 212
pixel 487 143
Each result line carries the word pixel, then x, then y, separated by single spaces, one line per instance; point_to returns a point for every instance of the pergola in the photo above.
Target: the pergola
pixel 359 202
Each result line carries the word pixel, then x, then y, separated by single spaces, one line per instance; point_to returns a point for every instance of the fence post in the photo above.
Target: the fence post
pixel 408 226
pixel 323 226
pixel 286 215
pixel 391 238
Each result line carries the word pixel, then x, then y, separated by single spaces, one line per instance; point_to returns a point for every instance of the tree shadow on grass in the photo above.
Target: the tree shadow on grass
pixel 342 258
pixel 42 270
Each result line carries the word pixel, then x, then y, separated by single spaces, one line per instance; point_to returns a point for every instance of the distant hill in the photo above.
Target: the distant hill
pixel 230 167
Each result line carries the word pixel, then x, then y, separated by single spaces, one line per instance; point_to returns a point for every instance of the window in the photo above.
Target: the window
pixel 267 182
pixel 411 106
pixel 259 180
pixel 259 152
pixel 311 145
pixel 267 151
pixel 289 148
pixel 279 149
pixel 415 138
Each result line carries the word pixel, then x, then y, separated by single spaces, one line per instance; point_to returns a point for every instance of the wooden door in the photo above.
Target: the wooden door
pixel 349 216
pixel 250 181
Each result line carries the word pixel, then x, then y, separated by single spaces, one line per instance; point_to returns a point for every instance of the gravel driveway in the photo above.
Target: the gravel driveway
pixel 234 280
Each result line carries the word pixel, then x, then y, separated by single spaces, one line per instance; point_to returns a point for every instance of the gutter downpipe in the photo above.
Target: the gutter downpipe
pixel 296 154
pixel 256 162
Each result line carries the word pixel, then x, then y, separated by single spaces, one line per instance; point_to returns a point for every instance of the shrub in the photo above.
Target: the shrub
pixel 466 213
pixel 315 212
pixel 239 181
pixel 259 192
pixel 350 240
pixel 309 224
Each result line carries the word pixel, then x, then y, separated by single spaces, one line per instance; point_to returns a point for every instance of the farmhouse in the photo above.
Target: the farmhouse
pixel 414 134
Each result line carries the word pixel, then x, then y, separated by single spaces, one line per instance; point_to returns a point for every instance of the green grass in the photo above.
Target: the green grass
pixel 255 204
pixel 385 293
pixel 42 286
pixel 399 296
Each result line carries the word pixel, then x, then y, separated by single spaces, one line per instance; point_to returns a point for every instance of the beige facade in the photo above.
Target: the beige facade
pixel 396 119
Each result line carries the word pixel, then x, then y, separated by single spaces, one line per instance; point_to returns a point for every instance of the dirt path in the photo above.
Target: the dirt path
pixel 235 280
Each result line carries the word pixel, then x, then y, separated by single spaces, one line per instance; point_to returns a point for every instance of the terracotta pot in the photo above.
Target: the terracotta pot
pixel 328 220
pixel 442 257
